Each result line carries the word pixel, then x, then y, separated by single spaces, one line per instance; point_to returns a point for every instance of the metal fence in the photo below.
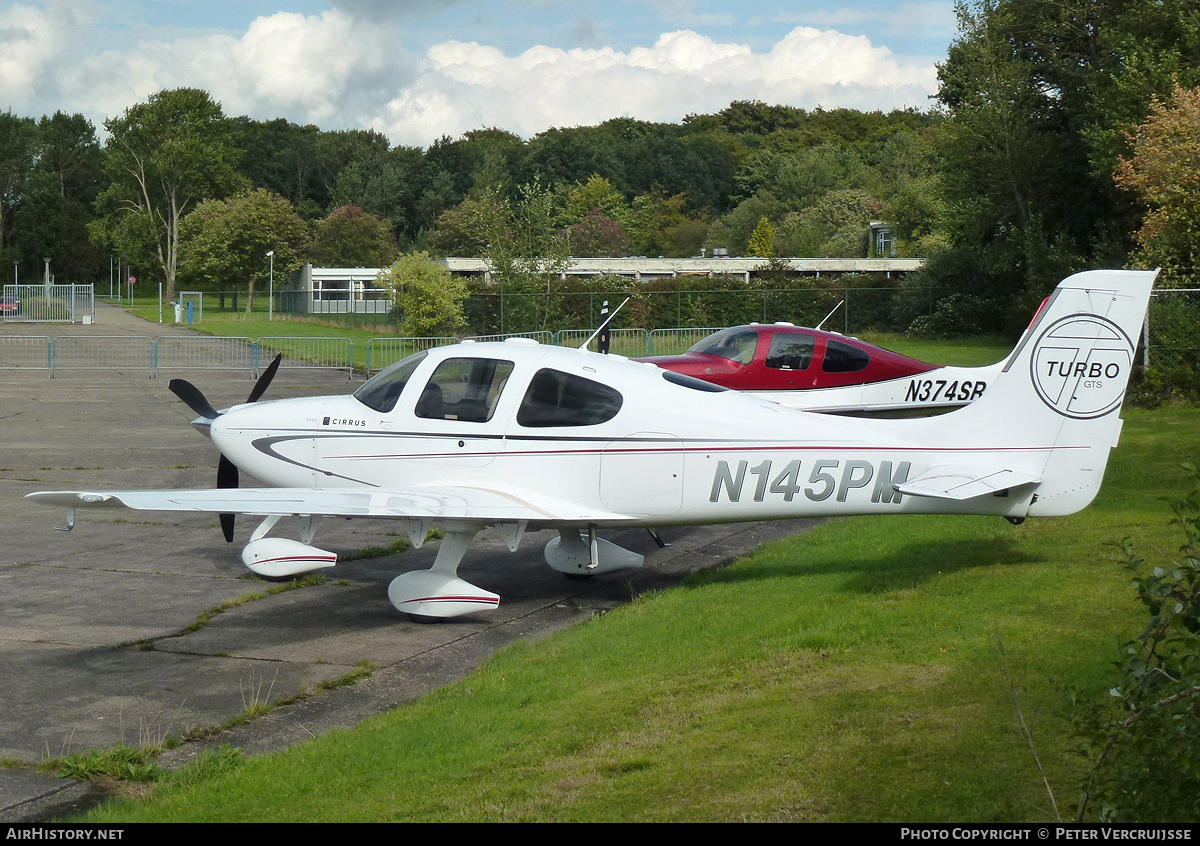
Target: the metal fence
pixel 25 352
pixel 1171 340
pixel 382 352
pixel 48 304
pixel 336 353
pixel 855 309
pixel 629 342
pixel 101 352
pixel 675 341
pixel 202 352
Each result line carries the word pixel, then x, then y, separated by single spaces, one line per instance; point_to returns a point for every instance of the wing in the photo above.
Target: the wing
pixel 481 505
pixel 964 482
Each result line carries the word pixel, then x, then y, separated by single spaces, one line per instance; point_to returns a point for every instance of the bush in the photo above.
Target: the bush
pixel 1143 737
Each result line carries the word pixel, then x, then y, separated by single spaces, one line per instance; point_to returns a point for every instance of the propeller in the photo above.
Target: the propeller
pixel 227 471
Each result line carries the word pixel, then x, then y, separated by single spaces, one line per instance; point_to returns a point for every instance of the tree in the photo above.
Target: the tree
pixel 284 158
pixel 760 241
pixel 351 237
pixel 526 251
pixel 163 157
pixel 18 137
pixel 836 225
pixel 427 296
pixel 656 223
pixel 225 242
pixel 597 194
pixel 1164 173
pixel 598 235
pixel 386 185
pixel 67 148
pixel 1038 96
pixel 463 229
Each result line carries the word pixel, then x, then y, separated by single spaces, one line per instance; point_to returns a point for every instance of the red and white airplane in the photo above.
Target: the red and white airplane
pixel 519 436
pixel 825 371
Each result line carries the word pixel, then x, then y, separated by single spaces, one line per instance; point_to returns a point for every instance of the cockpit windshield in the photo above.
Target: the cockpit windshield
pixel 381 391
pixel 737 345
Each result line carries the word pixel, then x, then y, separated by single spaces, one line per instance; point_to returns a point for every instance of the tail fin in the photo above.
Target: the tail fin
pixel 1055 405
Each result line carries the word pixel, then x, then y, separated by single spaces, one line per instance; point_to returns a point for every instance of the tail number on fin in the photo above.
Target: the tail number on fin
pixel 933 390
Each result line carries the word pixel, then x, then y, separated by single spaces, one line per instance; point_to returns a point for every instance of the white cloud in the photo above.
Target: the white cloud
pixel 341 71
pixel 32 43
pixel 467 85
pixel 329 69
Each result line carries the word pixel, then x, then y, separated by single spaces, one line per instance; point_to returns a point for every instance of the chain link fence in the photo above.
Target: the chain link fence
pixel 849 310
pixel 1171 341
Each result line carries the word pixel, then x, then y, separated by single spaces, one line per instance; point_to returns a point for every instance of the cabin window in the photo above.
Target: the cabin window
pixel 790 351
pixel 737 345
pixel 843 358
pixel 466 389
pixel 555 398
pixel 381 391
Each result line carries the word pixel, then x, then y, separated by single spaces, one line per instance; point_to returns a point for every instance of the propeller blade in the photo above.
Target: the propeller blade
pixel 264 381
pixel 227 477
pixel 195 400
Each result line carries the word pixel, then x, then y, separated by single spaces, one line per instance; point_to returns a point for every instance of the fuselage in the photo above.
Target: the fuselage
pixel 605 434
pixel 824 371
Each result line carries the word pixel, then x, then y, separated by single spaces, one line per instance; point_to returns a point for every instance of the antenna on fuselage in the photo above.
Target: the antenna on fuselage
pixel 835 308
pixel 603 326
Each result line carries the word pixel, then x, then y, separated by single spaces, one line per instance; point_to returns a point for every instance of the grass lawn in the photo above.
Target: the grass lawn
pixel 872 669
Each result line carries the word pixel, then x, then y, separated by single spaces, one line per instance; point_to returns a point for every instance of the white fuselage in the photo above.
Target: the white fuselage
pixel 672 454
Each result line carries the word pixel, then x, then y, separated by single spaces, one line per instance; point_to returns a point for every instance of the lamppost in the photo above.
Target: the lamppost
pixel 271 295
pixel 47 261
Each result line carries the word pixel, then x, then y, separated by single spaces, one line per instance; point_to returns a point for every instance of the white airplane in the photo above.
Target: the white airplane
pixel 519 436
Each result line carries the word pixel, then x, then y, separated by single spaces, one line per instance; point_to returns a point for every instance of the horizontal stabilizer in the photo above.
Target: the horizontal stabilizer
pixel 964 482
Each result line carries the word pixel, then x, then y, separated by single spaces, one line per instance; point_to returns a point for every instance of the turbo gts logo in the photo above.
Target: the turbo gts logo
pixel 343 421
pixel 1080 366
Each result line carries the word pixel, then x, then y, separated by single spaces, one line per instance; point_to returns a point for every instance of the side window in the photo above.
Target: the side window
pixel 555 398
pixel 381 391
pixel 843 358
pixel 790 352
pixel 737 345
pixel 464 389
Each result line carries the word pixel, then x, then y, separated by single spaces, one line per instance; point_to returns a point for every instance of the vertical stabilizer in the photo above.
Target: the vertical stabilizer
pixel 1057 401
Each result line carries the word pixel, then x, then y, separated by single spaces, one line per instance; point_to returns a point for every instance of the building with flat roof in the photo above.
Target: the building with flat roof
pixel 341 290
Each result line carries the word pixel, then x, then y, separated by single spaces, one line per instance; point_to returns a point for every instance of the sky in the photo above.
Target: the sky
pixel 418 70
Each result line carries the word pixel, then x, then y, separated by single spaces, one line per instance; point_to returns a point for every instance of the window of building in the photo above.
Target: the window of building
pixel 555 398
